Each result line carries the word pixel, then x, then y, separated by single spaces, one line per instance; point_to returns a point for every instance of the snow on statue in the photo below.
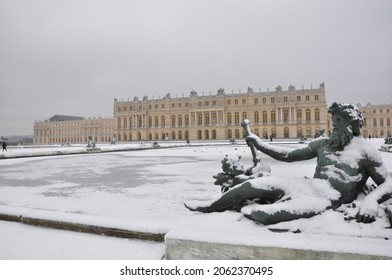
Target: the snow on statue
pixel 345 162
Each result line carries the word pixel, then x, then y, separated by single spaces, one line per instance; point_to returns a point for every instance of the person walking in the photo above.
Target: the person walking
pixel 4 145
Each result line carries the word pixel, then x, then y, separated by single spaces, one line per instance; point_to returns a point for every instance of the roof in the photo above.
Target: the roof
pixel 60 118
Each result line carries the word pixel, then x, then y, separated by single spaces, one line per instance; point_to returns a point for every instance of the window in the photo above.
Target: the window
pixel 187 121
pixel 162 106
pixel 307 113
pixel 273 118
pixel 199 118
pixel 186 104
pixel 236 118
pixel 285 99
pixel 285 116
pixel 179 105
pixel 214 119
pixel 256 101
pixel 214 103
pixel 173 105
pixel 163 121
pixel 256 116
pixel 173 120
pixel 272 99
pixel 156 121
pixel 316 97
pixel 180 120
pixel 299 115
pixel 207 103
pixel 150 121
pixel 307 98
pixel 206 119
pixel 244 115
pixel 236 101
pixel 243 101
pixel 264 100
pixel 317 115
pixel 229 119
pixel 299 98
pixel 264 116
pixel 228 102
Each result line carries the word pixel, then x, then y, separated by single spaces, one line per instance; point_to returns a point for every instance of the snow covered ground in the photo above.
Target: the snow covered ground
pixel 142 189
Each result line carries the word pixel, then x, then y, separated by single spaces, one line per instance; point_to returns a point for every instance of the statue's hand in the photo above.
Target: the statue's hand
pixel 368 209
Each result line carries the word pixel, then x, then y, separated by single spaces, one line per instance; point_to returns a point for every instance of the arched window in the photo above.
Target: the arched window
pixel 299 132
pixel 173 120
pixel 229 134
pixel 273 117
pixel 237 133
pixel 381 122
pixel 206 119
pixel 199 118
pixel 374 122
pixel 236 118
pixel 285 116
pixel 256 116
pixel 307 112
pixel 244 115
pixel 180 120
pixel 163 121
pixel 229 119
pixel 187 120
pixel 286 132
pixel 150 121
pixel 156 121
pixel 317 115
pixel 299 115
pixel 265 117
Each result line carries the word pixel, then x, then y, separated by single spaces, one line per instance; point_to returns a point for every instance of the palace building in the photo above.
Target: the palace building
pixel 377 120
pixel 291 114
pixel 71 129
pixel 281 113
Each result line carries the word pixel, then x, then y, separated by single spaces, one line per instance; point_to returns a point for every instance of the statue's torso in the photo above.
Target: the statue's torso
pixel 345 172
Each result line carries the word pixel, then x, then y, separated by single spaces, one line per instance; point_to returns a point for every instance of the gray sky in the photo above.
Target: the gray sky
pixel 74 56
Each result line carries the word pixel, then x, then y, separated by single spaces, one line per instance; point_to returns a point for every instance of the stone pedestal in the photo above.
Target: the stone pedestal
pixel 224 236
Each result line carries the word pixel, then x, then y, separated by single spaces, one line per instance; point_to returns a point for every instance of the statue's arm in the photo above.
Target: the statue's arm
pixel 286 154
pixel 368 207
pixel 380 175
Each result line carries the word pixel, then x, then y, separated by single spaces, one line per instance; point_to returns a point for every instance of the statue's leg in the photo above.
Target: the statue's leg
pixel 266 218
pixel 235 198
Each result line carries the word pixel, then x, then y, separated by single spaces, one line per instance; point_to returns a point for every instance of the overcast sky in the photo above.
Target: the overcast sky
pixel 74 57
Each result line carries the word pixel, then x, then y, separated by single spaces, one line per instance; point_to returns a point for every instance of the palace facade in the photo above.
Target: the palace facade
pixel 377 120
pixel 281 113
pixel 71 129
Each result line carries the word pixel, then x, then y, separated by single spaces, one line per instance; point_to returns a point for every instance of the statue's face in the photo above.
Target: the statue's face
pixel 342 133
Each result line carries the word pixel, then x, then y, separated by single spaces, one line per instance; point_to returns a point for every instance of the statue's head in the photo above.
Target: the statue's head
pixel 347 120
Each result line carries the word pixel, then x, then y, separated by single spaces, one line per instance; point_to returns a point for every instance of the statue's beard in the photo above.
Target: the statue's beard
pixel 339 139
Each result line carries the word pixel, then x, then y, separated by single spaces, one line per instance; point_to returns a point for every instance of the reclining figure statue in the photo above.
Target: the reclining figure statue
pixel 345 162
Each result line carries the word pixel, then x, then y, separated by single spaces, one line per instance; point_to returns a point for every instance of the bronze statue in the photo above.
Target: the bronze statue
pixel 345 162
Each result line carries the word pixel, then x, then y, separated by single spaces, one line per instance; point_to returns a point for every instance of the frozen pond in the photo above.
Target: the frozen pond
pixel 148 184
